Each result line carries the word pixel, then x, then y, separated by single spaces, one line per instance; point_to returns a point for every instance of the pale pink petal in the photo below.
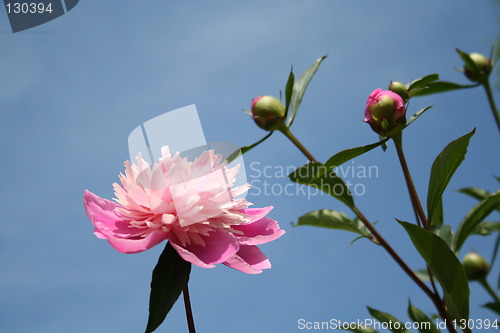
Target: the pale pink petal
pixel 255 214
pixel 219 246
pixel 249 259
pixel 258 232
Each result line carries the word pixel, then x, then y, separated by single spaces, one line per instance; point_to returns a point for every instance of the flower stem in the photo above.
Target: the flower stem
pixel 286 131
pixel 491 100
pixel 434 296
pixel 189 312
pixel 490 290
pixel 417 206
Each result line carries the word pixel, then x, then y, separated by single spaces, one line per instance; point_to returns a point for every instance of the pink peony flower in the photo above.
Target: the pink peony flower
pixel 385 111
pixel 191 204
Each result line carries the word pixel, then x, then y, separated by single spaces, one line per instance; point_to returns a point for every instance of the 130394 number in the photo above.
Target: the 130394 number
pixel 28 8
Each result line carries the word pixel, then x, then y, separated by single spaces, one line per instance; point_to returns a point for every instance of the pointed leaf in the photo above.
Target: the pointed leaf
pixel 299 88
pixel 416 115
pixel 417 83
pixel 440 87
pixel 289 90
pixel 486 228
pixel 426 325
pixel 348 154
pixel 494 256
pixel 243 150
pixel 384 317
pixel 445 266
pixel 443 231
pixel 319 176
pixel 495 307
pixel 475 216
pixel 170 278
pixel 328 218
pixel 443 168
pixel 476 193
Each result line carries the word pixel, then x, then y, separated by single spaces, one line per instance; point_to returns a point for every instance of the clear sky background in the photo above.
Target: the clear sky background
pixel 73 89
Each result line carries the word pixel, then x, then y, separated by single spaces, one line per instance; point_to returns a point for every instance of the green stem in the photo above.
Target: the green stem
pixel 417 206
pixel 434 296
pixel 491 100
pixel 189 311
pixel 286 131
pixel 490 290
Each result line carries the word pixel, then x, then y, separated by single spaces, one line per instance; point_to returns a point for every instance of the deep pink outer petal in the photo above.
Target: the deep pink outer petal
pixel 249 259
pixel 258 232
pixel 130 245
pixel 219 246
pixel 101 213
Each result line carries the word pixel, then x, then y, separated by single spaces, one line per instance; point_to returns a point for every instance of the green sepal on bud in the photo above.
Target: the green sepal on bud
pixel 477 67
pixel 400 89
pixel 476 267
pixel 268 113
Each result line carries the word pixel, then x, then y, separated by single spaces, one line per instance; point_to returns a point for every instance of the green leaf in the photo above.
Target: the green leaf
pixel 443 231
pixel 299 88
pixel 397 326
pixel 348 154
pixel 476 193
pixel 445 267
pixel 486 228
pixel 443 168
pixel 243 150
pixel 416 115
pixel 418 83
pixel 319 176
pixel 425 323
pixel 289 90
pixel 440 87
pixel 170 278
pixel 495 307
pixel 494 257
pixel 475 216
pixel 328 218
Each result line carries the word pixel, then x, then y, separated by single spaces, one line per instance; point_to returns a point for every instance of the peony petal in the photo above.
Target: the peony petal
pixel 219 246
pixel 249 259
pixel 101 213
pixel 258 232
pixel 107 223
pixel 255 214
pixel 130 245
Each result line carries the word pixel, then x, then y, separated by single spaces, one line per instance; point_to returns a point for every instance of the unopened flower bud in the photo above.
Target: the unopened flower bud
pixel 400 89
pixel 476 267
pixel 385 112
pixel 268 112
pixel 482 68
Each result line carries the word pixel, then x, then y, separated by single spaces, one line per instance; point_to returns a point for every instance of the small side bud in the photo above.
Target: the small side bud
pixel 385 112
pixel 482 69
pixel 400 89
pixel 476 267
pixel 268 112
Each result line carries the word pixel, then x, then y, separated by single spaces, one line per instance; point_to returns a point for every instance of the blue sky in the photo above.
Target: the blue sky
pixel 73 89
